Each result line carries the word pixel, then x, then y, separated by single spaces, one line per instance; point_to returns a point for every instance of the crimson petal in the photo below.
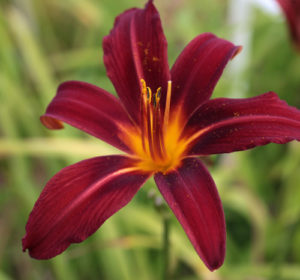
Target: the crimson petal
pixel 192 195
pixel 291 9
pixel 197 70
pixel 90 109
pixel 225 125
pixel 77 201
pixel 136 49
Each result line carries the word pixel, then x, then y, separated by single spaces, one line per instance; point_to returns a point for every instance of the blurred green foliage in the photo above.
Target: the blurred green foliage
pixel 44 42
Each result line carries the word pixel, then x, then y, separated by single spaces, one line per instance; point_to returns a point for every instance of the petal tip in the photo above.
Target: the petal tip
pixel 237 51
pixel 24 243
pixel 217 262
pixel 216 265
pixel 150 4
pixel 51 123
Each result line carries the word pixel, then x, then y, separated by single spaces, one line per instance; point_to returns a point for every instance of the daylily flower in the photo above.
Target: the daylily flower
pixel 291 9
pixel 163 120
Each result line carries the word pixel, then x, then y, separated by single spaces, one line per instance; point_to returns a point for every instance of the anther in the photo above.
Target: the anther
pixel 156 97
pixel 158 94
pixel 149 95
pixel 154 101
pixel 144 87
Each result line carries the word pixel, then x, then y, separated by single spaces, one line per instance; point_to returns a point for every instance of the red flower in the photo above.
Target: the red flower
pixel 291 9
pixel 163 120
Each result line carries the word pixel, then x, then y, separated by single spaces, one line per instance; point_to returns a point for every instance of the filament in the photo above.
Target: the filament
pixel 167 109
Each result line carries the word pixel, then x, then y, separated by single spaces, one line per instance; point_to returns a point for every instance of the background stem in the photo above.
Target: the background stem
pixel 166 247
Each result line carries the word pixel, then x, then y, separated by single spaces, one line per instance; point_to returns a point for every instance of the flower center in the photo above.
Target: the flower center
pixel 156 143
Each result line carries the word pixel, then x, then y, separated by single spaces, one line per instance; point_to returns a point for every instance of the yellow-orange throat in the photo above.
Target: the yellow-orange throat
pixel 157 142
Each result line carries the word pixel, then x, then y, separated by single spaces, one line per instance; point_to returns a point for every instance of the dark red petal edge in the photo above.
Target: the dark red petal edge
pixel 291 10
pixel 198 69
pixel 77 201
pixel 136 49
pixel 227 125
pixel 193 197
pixel 90 109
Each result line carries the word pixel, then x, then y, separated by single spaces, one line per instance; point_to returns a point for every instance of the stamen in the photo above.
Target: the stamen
pixel 158 135
pixel 150 129
pixel 143 105
pixel 167 108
